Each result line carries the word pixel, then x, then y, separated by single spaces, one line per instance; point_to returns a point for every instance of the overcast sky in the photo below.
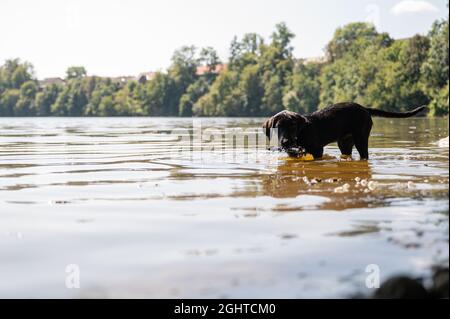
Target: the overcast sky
pixel 126 37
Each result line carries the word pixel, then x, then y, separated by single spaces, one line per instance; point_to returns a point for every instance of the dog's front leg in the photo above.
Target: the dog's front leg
pixel 315 151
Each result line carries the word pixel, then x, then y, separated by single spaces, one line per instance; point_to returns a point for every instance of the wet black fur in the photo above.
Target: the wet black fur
pixel 348 124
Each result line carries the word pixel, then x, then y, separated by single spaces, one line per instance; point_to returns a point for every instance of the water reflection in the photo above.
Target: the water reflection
pixel 143 220
pixel 325 178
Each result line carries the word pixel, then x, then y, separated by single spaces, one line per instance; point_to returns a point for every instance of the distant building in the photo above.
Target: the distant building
pixel 49 81
pixel 123 79
pixel 204 69
pixel 314 60
pixel 201 70
pixel 145 76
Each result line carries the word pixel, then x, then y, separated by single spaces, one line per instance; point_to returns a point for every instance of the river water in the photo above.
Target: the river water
pixel 119 207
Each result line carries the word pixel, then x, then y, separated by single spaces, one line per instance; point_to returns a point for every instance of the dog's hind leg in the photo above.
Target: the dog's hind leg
pixel 346 146
pixel 362 141
pixel 363 148
pixel 316 152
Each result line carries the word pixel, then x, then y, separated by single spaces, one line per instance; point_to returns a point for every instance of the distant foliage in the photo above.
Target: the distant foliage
pixel 261 78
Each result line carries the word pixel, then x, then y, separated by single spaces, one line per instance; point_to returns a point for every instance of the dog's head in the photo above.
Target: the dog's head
pixel 288 126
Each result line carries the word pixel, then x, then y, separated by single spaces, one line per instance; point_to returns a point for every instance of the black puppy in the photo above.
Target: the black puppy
pixel 348 124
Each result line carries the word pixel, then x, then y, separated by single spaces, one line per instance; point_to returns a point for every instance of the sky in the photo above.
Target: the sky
pixel 127 37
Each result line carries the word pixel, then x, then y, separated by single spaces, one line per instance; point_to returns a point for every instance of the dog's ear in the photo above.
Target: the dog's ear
pixel 267 126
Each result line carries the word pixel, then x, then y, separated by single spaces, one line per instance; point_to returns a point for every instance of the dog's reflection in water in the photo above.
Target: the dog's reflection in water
pixel 344 182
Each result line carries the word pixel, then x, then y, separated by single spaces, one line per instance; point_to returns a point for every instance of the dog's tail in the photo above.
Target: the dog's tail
pixel 381 113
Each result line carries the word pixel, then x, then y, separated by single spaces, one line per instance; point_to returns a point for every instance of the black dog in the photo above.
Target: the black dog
pixel 348 124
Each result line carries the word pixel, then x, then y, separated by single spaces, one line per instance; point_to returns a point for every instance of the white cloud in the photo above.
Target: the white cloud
pixel 413 6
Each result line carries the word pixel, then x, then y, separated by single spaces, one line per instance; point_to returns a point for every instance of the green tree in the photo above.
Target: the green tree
pixel 262 78
pixel 273 95
pixel 361 65
pixel 72 100
pixel 106 106
pixel 97 89
pixel 14 73
pixel 8 101
pixel 125 104
pixel 62 103
pixel 193 93
pixel 303 93
pixel 276 65
pixel 78 100
pixel 281 39
pixel 210 58
pixel 75 72
pixel 222 99
pixel 347 37
pixel 413 57
pixel 46 98
pixel 25 105
pixel 436 68
pixel 251 86
pixel 181 74
pixel 157 96
pixel 245 52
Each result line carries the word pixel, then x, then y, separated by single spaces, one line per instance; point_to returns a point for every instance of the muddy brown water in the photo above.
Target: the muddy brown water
pixel 138 215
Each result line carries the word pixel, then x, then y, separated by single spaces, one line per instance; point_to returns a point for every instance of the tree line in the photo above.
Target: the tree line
pixel 260 78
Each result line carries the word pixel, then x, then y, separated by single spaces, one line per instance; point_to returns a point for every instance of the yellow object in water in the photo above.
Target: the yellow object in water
pixel 306 158
pixel 302 158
